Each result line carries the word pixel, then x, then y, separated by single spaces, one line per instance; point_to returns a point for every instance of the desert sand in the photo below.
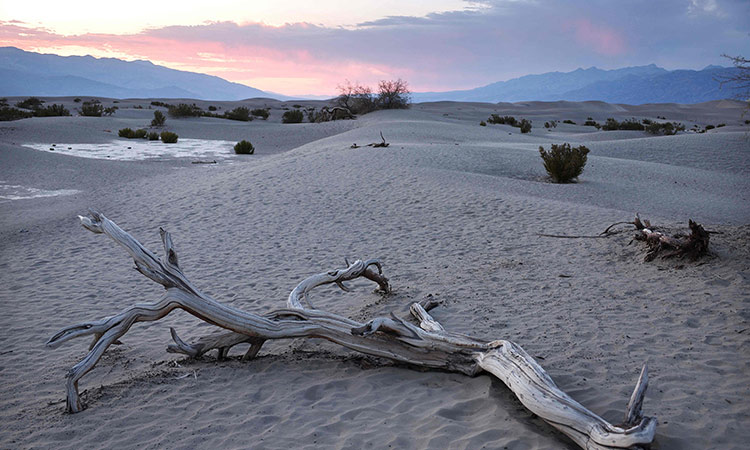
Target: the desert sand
pixel 454 212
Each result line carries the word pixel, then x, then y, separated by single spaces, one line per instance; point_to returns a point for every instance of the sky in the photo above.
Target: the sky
pixel 306 47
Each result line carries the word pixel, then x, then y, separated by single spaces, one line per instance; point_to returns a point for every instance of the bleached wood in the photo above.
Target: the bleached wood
pixel 427 346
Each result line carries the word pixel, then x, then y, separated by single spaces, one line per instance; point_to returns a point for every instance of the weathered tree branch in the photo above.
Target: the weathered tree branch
pixel 428 345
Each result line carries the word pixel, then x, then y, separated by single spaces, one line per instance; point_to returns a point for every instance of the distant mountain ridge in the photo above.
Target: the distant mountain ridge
pixel 29 73
pixel 25 73
pixel 630 85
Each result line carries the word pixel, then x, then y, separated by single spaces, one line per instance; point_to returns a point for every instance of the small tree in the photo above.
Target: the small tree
pixel 393 94
pixel 740 80
pixel 564 163
pixel 158 120
pixel 356 98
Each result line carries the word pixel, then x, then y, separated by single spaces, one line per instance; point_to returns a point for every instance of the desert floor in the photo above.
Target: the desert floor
pixel 452 209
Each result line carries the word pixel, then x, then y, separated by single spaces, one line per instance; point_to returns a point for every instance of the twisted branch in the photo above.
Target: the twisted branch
pixel 427 345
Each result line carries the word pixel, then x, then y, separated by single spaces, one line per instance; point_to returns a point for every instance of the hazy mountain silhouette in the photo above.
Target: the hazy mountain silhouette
pixel 29 73
pixel 631 85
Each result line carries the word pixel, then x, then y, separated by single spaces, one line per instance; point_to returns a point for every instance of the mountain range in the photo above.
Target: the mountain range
pixel 27 73
pixel 630 85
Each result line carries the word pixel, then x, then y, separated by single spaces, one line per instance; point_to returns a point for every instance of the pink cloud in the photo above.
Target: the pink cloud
pixel 602 39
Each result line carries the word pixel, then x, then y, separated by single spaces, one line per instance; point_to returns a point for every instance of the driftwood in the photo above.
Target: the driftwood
pixel 693 245
pixel 426 345
pixel 381 144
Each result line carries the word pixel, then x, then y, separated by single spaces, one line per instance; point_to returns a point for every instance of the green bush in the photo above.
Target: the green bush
pixel 8 113
pixel 568 121
pixel 92 108
pixel 631 124
pixel 564 163
pixel 77 100
pixel 212 108
pixel 721 125
pixel 482 123
pixel 293 116
pixel 126 133
pixel 506 120
pixel 710 127
pixel 665 128
pixel 140 134
pixel 184 110
pixel 240 113
pixel 30 103
pixel 244 148
pixel 260 112
pixel 591 123
pixel 162 104
pixel 158 120
pixel 153 136
pixel 52 111
pixel 168 137
pixel 109 111
pixel 525 126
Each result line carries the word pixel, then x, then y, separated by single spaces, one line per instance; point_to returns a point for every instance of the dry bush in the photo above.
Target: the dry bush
pixel 564 163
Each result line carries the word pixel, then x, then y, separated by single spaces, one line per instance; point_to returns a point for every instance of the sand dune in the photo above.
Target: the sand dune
pixel 452 209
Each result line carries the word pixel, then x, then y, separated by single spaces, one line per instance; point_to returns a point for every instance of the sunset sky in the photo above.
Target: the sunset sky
pixel 309 47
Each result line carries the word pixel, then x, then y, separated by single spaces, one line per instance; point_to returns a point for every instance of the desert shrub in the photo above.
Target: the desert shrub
pixel 293 116
pixel 77 100
pixel 109 111
pixel 505 120
pixel 710 127
pixel 721 125
pixel 665 128
pixel 9 113
pixel 482 123
pixel 153 136
pixel 92 108
pixel 630 124
pixel 591 123
pixel 551 124
pixel 611 124
pixel 140 133
pixel 126 133
pixel 184 110
pixel 244 148
pixel 212 108
pixel 297 106
pixel 747 121
pixel 51 111
pixel 525 126
pixel 564 163
pixel 168 137
pixel 647 121
pixel 260 112
pixel 30 103
pixel 240 113
pixel 568 121
pixel 162 104
pixel 158 120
